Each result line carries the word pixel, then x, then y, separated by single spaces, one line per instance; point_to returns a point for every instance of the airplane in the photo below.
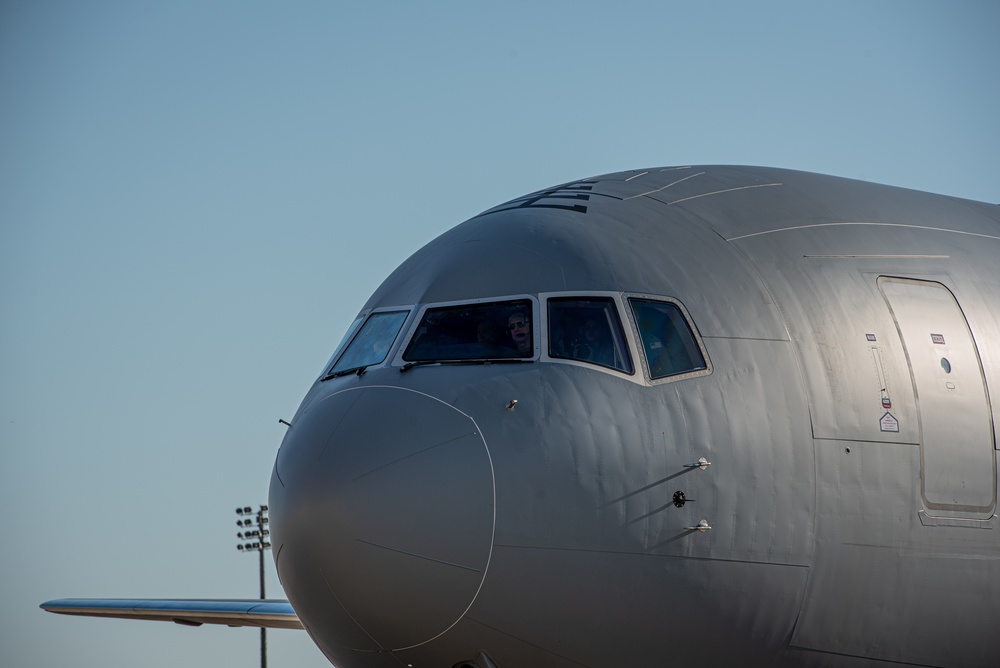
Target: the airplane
pixel 684 416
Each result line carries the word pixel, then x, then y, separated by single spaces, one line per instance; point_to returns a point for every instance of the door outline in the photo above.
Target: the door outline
pixel 936 465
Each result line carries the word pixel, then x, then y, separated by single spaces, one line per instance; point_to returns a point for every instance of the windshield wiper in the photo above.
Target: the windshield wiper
pixel 343 372
pixel 476 360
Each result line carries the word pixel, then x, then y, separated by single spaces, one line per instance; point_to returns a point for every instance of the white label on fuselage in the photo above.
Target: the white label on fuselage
pixel 888 423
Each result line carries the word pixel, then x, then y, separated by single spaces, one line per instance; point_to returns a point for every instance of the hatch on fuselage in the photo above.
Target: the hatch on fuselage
pixel 957 465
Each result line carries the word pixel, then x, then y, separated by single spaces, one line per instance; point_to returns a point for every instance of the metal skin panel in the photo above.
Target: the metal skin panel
pixel 688 612
pixel 381 510
pixel 531 249
pixel 825 278
pixel 885 584
pixel 956 430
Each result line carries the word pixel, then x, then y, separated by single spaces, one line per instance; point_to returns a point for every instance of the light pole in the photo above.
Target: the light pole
pixel 254 535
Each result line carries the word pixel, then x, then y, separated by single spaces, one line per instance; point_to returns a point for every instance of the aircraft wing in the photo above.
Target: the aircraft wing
pixel 272 614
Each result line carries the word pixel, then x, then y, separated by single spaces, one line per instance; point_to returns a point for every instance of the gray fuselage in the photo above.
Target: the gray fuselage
pixel 476 503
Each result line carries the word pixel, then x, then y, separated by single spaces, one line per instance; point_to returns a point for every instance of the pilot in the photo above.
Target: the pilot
pixel 519 327
pixel 596 347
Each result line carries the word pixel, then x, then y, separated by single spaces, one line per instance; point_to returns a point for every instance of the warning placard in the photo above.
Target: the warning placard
pixel 888 423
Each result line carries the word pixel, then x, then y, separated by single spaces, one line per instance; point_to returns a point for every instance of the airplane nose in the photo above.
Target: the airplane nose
pixel 382 508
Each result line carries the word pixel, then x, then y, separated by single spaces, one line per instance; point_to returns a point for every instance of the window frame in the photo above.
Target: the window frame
pixel 620 306
pixel 357 325
pixel 418 316
pixel 637 338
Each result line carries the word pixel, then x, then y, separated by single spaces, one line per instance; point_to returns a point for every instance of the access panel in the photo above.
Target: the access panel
pixel 956 425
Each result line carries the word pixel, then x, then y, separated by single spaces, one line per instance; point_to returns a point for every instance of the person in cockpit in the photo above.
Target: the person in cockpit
pixel 596 344
pixel 519 328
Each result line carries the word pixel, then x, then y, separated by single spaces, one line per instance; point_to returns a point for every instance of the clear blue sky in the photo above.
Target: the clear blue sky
pixel 197 197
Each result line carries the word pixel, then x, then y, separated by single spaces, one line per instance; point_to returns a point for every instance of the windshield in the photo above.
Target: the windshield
pixel 667 339
pixel 474 331
pixel 588 329
pixel 343 342
pixel 372 343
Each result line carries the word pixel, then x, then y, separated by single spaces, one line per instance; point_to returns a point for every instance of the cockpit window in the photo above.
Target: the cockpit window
pixel 343 342
pixel 667 340
pixel 372 343
pixel 589 330
pixel 489 330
